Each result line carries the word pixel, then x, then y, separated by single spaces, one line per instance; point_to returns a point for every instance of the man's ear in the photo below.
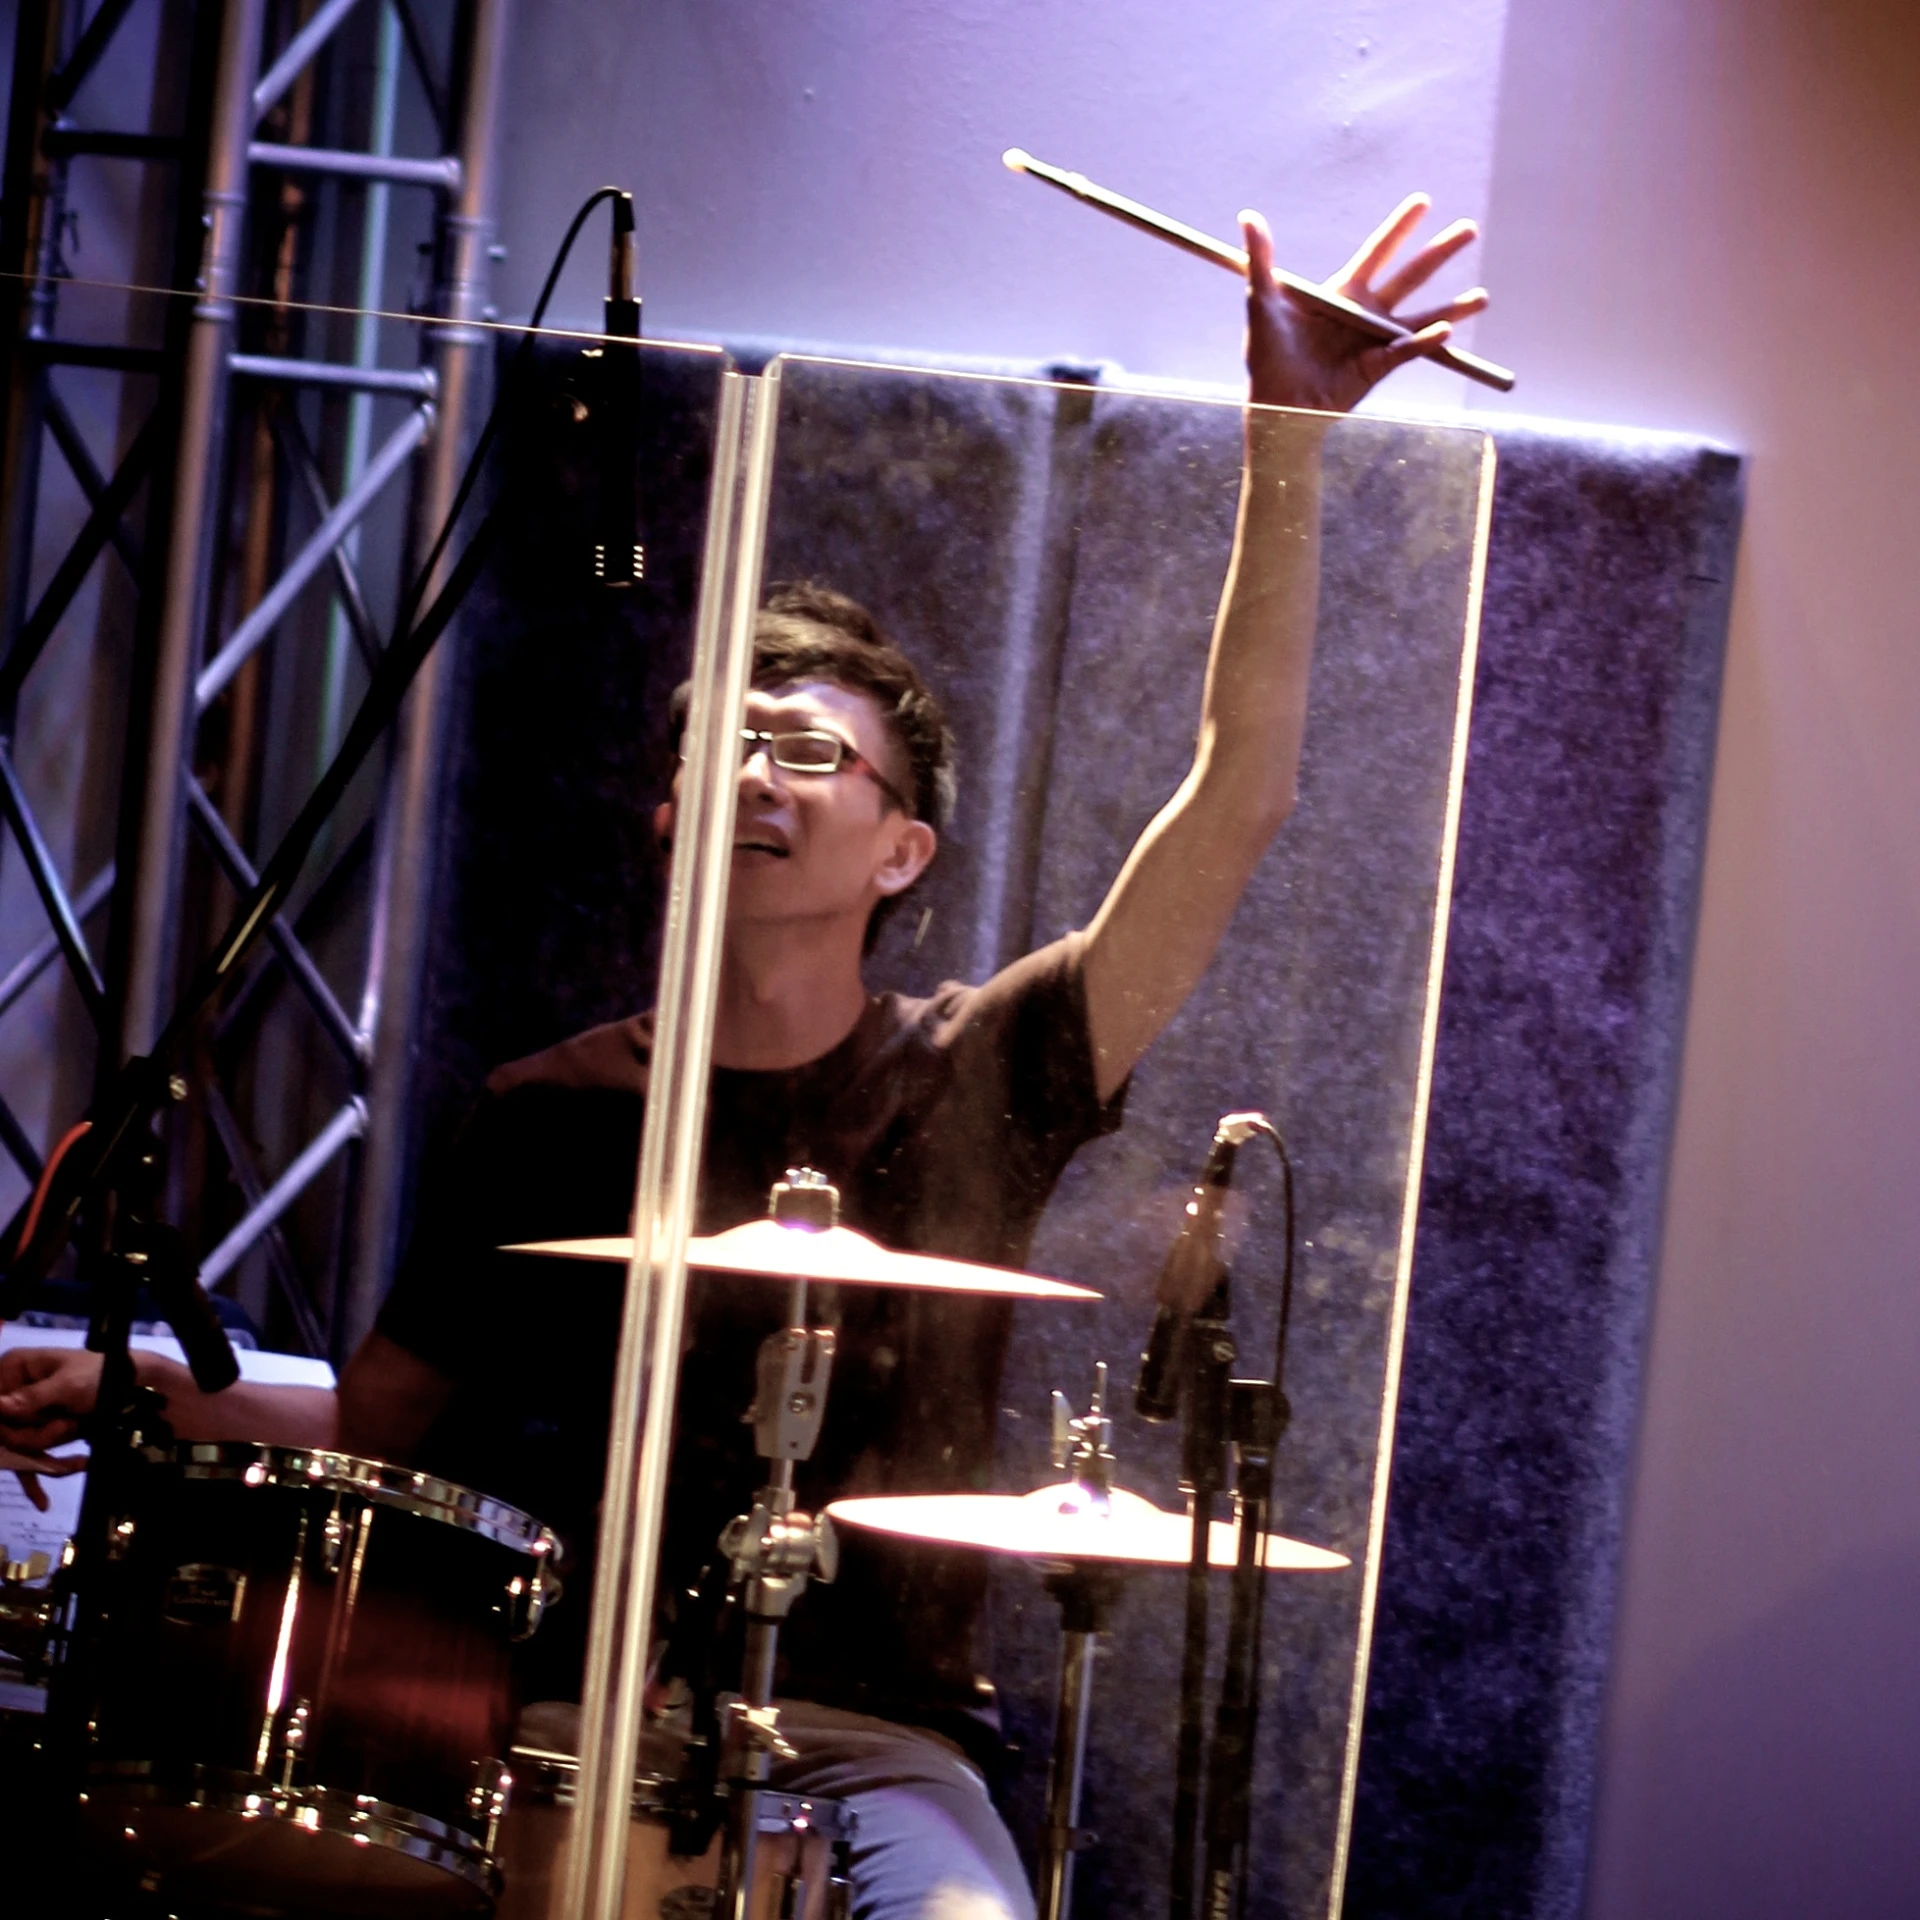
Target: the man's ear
pixel 663 824
pixel 914 845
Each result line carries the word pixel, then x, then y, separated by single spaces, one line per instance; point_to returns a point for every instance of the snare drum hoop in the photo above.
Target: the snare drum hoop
pixel 542 1775
pixel 371 1480
pixel 359 1817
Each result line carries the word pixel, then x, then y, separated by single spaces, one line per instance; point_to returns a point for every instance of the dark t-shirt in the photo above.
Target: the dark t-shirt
pixel 945 1123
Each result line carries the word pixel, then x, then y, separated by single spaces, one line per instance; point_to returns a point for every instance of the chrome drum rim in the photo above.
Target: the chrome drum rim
pixel 319 1470
pixel 357 1817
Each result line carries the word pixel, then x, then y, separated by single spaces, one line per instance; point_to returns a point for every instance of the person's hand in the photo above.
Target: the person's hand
pixel 45 1392
pixel 28 1467
pixel 1299 358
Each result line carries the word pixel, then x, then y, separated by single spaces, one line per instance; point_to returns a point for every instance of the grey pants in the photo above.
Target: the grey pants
pixel 928 1844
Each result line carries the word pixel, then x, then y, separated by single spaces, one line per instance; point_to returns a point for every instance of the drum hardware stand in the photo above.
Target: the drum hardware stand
pixel 1086 1593
pixel 1229 1424
pixel 774 1550
pixel 128 1419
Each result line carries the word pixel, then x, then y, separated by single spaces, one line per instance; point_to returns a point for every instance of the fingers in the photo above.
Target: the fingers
pixel 1258 239
pixel 38 1381
pixel 1416 272
pixel 29 1466
pixel 1463 306
pixel 1384 241
pixel 1396 353
pixel 26 1405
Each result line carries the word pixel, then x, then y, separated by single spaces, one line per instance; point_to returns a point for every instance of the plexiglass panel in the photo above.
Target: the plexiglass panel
pixel 1051 558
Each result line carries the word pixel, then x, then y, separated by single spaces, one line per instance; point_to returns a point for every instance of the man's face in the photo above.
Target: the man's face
pixel 812 845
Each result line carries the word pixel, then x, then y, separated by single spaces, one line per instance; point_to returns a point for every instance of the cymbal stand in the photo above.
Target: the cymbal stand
pixel 1086 1594
pixel 774 1550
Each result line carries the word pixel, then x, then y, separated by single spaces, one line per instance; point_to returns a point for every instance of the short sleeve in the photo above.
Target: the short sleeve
pixel 1023 1037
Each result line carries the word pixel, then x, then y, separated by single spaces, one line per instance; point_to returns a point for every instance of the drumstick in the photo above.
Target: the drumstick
pixel 1234 259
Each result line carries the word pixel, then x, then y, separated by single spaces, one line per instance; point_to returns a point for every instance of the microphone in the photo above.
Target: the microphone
pixel 174 1281
pixel 619 558
pixel 1191 1273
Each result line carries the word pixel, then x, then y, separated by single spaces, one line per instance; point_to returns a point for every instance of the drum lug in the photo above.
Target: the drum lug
pixel 119 1537
pixel 293 1742
pixel 528 1598
pixel 334 1544
pixel 487 1799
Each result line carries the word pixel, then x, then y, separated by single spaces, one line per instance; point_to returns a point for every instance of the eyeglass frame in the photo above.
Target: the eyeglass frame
pixel 847 755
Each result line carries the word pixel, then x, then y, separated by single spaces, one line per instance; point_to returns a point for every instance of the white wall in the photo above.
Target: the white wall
pixel 1702 216
pixel 830 172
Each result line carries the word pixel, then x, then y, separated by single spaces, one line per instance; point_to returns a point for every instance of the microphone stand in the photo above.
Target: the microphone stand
pixel 1209 1356
pixel 1188 1368
pixel 1258 1415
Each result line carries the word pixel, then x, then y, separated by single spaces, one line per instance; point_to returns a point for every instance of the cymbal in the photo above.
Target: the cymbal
pixel 835 1254
pixel 1060 1523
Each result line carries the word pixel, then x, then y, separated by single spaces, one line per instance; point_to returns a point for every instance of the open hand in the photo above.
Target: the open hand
pixel 1299 358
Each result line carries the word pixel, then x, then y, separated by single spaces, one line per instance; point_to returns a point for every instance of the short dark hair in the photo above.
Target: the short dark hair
pixel 809 632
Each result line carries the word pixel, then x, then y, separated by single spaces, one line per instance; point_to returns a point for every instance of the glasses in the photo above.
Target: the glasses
pixel 810 750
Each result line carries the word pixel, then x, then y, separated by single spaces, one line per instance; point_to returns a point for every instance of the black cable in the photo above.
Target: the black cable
pixel 464 492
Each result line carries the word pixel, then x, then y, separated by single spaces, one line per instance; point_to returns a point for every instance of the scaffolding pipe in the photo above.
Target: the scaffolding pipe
pixel 403 864
pixel 348 1124
pixel 320 544
pixel 417 381
pixel 300 49
pixel 29 217
pixel 190 543
pixel 444 173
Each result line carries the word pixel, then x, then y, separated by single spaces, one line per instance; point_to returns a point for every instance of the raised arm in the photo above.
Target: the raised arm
pixel 1164 916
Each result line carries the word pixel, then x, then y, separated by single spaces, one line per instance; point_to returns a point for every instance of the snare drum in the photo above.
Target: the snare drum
pixel 800 1863
pixel 307 1704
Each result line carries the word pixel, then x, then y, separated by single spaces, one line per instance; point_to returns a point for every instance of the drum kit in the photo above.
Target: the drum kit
pixel 305 1704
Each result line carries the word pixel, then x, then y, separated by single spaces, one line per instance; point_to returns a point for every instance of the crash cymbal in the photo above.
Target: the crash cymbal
pixel 835 1254
pixel 1063 1523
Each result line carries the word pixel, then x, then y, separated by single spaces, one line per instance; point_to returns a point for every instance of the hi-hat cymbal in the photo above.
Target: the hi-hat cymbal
pixel 1062 1523
pixel 836 1254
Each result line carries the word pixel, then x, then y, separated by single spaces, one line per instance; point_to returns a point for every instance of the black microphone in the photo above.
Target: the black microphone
pixel 619 557
pixel 174 1281
pixel 1189 1277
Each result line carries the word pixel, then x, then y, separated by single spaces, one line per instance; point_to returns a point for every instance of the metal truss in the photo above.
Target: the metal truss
pixel 215 628
pixel 55 56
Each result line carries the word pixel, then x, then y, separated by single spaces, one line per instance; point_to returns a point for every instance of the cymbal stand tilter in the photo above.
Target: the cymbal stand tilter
pixel 774 1550
pixel 1085 1591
